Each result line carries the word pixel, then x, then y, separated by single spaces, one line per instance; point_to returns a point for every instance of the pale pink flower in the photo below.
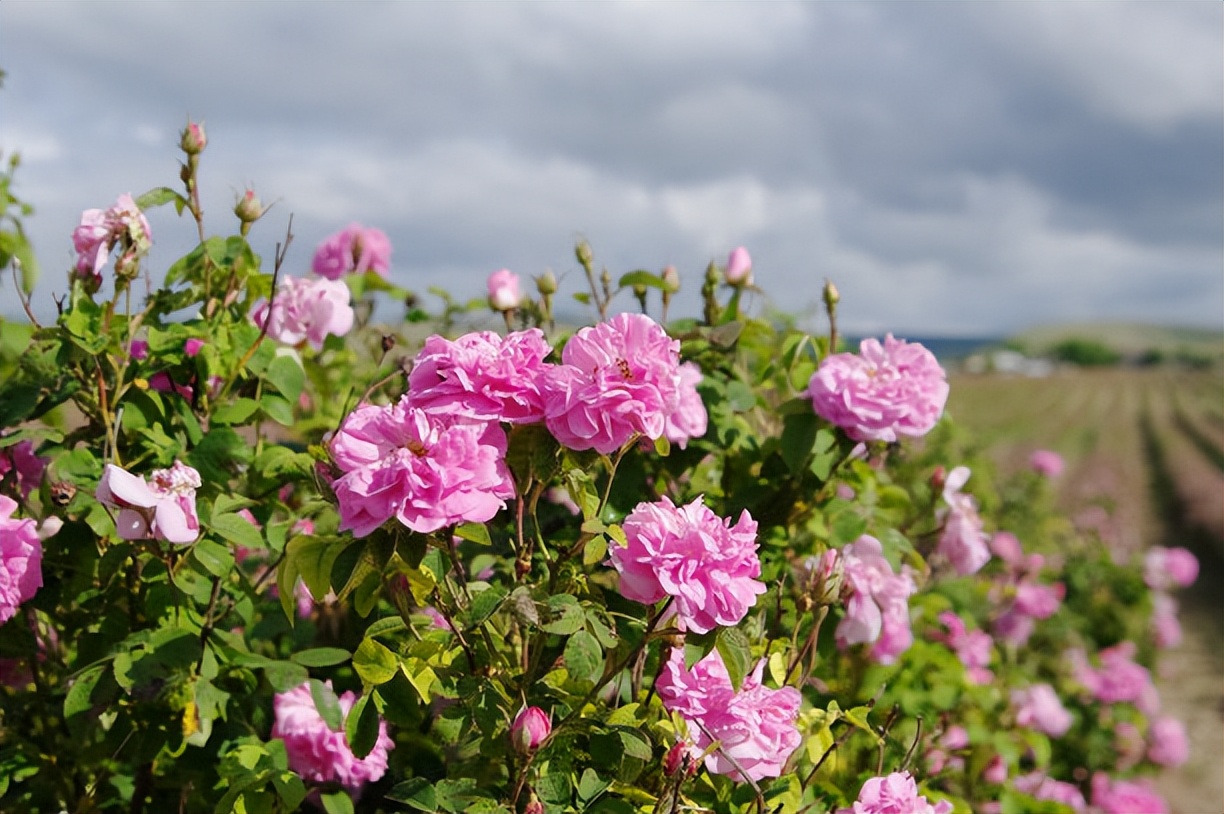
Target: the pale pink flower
pixel 962 543
pixel 1126 796
pixel 99 232
pixel 430 471
pixel 896 793
pixel 318 754
pixel 20 559
pixel 504 292
pixel 1006 546
pixel 1047 463
pixel 739 268
pixel 618 379
pixel 306 310
pixel 885 392
pixel 754 725
pixel 162 508
pixel 18 462
pixel 687 552
pixel 689 420
pixel 1168 745
pixel 1119 678
pixel 1040 786
pixel 367 435
pixel 1166 628
pixel 482 376
pixel 531 726
pixel 1167 568
pixel 1129 744
pixel 877 609
pixel 973 647
pixel 355 249
pixel 995 771
pixel 1038 707
pixel 1038 600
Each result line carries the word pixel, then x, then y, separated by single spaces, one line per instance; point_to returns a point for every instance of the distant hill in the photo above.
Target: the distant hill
pixel 1133 341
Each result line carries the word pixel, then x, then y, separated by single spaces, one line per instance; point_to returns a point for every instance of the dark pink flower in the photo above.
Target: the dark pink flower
pixel 163 508
pixel 18 461
pixel 885 392
pixel 617 379
pixel 20 559
pixel 1046 462
pixel 962 543
pixel 1126 797
pixel 896 793
pixel 754 726
pixel 482 376
pixel 306 311
pixel 689 420
pixel 1167 742
pixel 739 268
pixel 192 346
pixel 1038 707
pixel 877 609
pixel 318 754
pixel 504 293
pixel 531 726
pixel 139 350
pixel 1167 568
pixel 687 552
pixel 355 249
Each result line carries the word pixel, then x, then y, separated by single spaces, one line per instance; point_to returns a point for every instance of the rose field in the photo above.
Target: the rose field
pixel 262 553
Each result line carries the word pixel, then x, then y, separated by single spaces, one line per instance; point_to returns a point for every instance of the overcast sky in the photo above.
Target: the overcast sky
pixel 956 168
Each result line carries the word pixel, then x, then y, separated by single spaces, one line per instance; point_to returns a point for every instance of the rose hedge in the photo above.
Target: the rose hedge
pixel 256 555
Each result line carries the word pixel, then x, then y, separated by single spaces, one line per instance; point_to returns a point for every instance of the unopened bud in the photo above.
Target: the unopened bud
pixel 249 208
pixel 824 577
pixel 583 252
pixel 671 279
pixel 739 268
pixel 193 139
pixel 711 274
pixel 831 295
pixel 546 283
pixel 388 342
pixel 534 807
pixel 676 760
pixel 938 478
pixel 530 729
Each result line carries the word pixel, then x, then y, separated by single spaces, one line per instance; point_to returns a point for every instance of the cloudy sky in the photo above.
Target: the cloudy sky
pixel 956 168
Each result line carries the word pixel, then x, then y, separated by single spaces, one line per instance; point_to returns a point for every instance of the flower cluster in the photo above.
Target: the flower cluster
pixel 1125 796
pixel 877 610
pixel 162 508
pixel 355 249
pixel 896 793
pixel 315 751
pixel 1038 707
pixel 100 231
pixel 687 552
pixel 972 647
pixel 885 392
pixel 962 543
pixel 1119 678
pixel 754 726
pixel 306 310
pixel 20 559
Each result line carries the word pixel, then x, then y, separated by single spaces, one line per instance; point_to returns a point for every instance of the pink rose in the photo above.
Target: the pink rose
pixel 164 508
pixel 895 794
pixel 306 311
pixel 1119 679
pixel 1125 797
pixel 192 346
pixel 689 420
pixel 973 648
pixel 709 566
pixel 1047 463
pixel 504 293
pixel 877 609
pixel 886 391
pixel 754 726
pixel 1167 742
pixel 18 461
pixel 962 543
pixel 1006 546
pixel 428 471
pixel 617 379
pixel 317 753
pixel 739 268
pixel 1167 568
pixel 100 231
pixel 20 559
pixel 531 726
pixel 482 376
pixel 1041 787
pixel 355 249
pixel 995 771
pixel 1038 707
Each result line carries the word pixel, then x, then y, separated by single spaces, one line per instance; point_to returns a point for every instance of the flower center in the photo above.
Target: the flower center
pixel 417 448
pixel 623 366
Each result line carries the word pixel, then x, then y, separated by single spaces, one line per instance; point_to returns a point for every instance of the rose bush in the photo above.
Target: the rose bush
pixel 258 555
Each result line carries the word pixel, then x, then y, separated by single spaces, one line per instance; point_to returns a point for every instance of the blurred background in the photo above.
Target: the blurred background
pixel 957 169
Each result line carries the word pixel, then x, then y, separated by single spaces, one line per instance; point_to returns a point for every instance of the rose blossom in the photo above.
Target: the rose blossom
pixel 754 726
pixel 972 647
pixel 884 392
pixel 688 552
pixel 895 794
pixel 482 376
pixel 1167 568
pixel 739 268
pixel 962 542
pixel 877 609
pixel 504 293
pixel 1041 787
pixel 1006 546
pixel 25 467
pixel 20 559
pixel 1126 797
pixel 531 726
pixel 192 346
pixel 617 379
pixel 316 752
pixel 689 420
pixel 99 231
pixel 355 249
pixel 306 311
pixel 1046 462
pixel 163 508
pixel 1038 707
pixel 1167 742
pixel 428 471
pixel 1120 679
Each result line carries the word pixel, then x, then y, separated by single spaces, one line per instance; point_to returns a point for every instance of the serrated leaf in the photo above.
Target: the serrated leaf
pixel 416 792
pixel 635 744
pixel 584 656
pixel 323 656
pixel 624 716
pixel 591 785
pixel 565 615
pixel 799 433
pixel 374 662
pixel 474 532
pixel 216 558
pixel 736 652
pixel 595 550
pixel 697 646
pixel 485 604
pixel 236 529
pixel 235 413
pixel 327 704
pixel 77 700
pixel 286 375
pixel 337 802
pixel 361 726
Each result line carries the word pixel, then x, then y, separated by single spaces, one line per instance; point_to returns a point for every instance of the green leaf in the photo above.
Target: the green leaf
pixel 736 652
pixel 236 529
pixel 159 196
pixel 484 604
pixel 565 615
pixel 215 558
pixel 416 792
pixel 285 675
pixel 591 785
pixel 324 656
pixel 337 802
pixel 799 433
pixel 361 726
pixel 595 550
pixel 697 646
pixel 286 375
pixel 740 396
pixel 277 408
pixel 634 743
pixel 77 700
pixel 641 277
pixel 327 704
pixel 584 657
pixel 313 558
pixel 375 662
pixel 474 532
pixel 236 413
